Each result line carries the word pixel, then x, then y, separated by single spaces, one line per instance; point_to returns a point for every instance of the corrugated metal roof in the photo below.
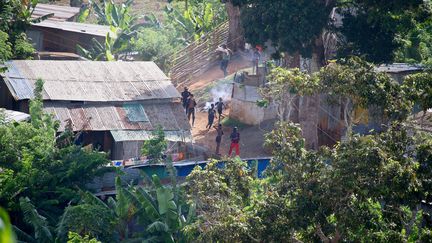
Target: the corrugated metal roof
pixel 90 29
pixel 61 13
pixel 399 68
pixel 14 115
pixel 142 135
pixel 89 80
pixel 106 117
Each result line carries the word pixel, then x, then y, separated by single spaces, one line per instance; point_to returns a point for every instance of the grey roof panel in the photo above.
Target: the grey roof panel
pixel 89 81
pixel 90 29
pixel 61 13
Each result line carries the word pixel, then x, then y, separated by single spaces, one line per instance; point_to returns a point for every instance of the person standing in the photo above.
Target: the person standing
pixel 226 56
pixel 219 134
pixel 191 104
pixel 211 116
pixel 184 98
pixel 220 106
pixel 256 56
pixel 235 139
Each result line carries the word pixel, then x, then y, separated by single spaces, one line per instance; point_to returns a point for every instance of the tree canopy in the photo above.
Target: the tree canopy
pixel 369 28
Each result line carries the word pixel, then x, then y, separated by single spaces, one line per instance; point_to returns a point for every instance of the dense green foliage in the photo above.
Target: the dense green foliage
pixel 154 45
pixel 368 189
pixel 123 29
pixel 373 188
pixel 292 26
pixel 155 210
pixel 349 83
pixel 34 166
pixel 370 28
pixel 419 88
pixel 201 17
pixel 76 238
pixel 155 147
pixel 6 233
pixel 150 38
pixel 417 44
pixel 15 18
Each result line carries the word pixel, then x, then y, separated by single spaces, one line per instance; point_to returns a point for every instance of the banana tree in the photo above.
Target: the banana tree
pixel 155 210
pixel 123 28
pixel 199 19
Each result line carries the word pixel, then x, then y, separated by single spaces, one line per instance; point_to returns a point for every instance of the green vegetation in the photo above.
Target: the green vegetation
pixel 372 188
pixel 155 147
pixel 367 189
pixel 229 122
pixel 6 233
pixel 155 40
pixel 15 18
pixel 35 169
pixel 372 29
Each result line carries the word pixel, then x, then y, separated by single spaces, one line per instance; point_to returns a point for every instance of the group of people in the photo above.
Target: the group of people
pixel 235 140
pixel 189 104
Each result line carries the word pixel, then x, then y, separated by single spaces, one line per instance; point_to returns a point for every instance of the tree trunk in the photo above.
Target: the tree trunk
pixel 309 105
pixel 236 32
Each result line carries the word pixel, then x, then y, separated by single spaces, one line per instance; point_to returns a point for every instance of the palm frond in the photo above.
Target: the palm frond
pixel 34 219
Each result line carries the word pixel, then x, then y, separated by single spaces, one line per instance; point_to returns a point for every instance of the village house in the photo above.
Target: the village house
pixel 57 36
pixel 112 105
pixel 59 32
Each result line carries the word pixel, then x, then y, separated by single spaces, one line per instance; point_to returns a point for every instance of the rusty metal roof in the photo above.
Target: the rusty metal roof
pixel 61 13
pixel 90 29
pixel 89 80
pixel 107 117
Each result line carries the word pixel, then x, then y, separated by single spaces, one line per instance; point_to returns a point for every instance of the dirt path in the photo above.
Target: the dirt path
pixel 251 142
pixel 238 62
pixel 252 137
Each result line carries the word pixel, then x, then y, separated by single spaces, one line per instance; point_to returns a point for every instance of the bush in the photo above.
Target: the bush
pixel 154 45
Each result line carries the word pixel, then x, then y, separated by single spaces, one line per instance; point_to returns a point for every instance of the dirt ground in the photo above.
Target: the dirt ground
pixel 251 137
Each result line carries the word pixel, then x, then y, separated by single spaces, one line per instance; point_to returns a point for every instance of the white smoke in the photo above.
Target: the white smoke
pixel 221 90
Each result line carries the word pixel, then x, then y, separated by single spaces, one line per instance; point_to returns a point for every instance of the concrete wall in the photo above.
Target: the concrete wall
pixel 244 107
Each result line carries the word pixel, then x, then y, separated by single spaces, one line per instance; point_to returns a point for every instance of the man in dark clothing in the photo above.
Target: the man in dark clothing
pixel 220 106
pixel 235 139
pixel 219 131
pixel 211 116
pixel 191 104
pixel 184 97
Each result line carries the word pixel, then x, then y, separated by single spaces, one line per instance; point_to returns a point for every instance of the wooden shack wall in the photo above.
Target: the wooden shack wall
pixel 64 41
pixel 6 99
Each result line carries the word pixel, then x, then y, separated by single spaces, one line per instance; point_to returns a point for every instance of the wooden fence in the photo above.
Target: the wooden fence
pixel 197 57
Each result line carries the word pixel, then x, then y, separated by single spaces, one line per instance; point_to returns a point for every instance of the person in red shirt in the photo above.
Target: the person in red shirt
pixel 235 139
